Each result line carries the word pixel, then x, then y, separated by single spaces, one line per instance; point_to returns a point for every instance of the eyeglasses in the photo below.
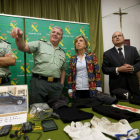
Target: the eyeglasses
pixel 117 36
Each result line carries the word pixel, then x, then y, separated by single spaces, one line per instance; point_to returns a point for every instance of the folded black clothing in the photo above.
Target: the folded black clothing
pixel 58 102
pixel 85 102
pixel 106 98
pixel 116 113
pixel 69 114
pixel 135 101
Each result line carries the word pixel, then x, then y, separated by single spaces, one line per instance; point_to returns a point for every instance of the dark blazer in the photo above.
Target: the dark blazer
pixel 112 60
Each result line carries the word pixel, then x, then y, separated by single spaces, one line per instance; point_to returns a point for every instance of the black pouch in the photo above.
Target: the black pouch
pixel 5 130
pixel 27 127
pixel 49 125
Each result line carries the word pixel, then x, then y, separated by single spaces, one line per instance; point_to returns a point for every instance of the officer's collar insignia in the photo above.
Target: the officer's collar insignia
pixel 61 49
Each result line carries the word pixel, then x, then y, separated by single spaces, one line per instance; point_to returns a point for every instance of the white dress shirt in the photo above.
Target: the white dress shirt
pixel 82 75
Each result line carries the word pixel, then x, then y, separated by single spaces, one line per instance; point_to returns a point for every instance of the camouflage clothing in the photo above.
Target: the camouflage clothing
pixel 5 48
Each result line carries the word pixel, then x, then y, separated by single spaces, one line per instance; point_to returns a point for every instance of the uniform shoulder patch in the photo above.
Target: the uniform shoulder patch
pixel 5 41
pixel 42 40
pixel 62 49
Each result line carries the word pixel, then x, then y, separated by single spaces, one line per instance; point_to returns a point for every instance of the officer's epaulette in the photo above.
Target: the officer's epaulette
pixel 42 40
pixel 5 41
pixel 62 50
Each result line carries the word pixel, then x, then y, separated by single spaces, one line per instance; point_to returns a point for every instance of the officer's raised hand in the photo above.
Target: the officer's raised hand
pixel 16 33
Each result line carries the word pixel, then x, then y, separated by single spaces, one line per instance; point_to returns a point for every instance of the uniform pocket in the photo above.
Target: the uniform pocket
pixel 2 53
pixel 45 56
pixel 60 61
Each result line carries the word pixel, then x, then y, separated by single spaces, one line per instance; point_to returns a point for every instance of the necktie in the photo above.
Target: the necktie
pixel 121 54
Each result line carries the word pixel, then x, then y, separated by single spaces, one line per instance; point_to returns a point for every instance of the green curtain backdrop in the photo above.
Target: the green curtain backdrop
pixel 86 11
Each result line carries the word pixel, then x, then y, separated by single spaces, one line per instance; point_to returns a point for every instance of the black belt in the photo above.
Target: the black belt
pixel 4 80
pixel 49 79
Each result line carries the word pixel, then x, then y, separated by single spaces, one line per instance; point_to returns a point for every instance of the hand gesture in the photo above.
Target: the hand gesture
pixel 126 68
pixel 8 55
pixel 16 33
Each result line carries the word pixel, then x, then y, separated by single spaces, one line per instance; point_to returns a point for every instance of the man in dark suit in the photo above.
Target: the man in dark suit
pixel 122 65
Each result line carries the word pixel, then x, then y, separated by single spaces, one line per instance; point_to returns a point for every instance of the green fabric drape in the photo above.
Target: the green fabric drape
pixel 87 11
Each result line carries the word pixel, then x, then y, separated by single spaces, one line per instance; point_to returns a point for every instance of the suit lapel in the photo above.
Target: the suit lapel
pixel 127 54
pixel 115 53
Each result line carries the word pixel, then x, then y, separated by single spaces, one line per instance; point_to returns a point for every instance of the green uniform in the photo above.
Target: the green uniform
pixel 4 48
pixel 47 60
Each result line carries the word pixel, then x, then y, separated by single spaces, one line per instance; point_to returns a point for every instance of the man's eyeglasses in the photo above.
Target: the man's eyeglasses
pixel 117 36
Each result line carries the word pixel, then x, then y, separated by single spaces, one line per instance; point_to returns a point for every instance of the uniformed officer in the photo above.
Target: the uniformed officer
pixel 49 65
pixel 6 59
